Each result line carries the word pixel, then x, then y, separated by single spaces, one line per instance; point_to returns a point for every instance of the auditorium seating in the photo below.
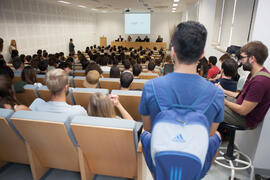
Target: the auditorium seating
pixel 12 144
pixel 138 84
pixel 82 95
pixel 109 83
pixel 78 81
pixel 49 141
pixel 148 75
pixel 107 146
pixel 79 72
pixel 28 96
pixel 130 101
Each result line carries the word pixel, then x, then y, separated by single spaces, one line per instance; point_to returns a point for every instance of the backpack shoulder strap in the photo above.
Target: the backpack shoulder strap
pixel 260 73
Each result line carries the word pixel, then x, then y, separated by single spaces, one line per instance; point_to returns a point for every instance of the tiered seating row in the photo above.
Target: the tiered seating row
pixel 89 145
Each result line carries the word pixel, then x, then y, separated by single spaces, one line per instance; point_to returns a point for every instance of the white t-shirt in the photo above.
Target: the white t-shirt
pixel 57 107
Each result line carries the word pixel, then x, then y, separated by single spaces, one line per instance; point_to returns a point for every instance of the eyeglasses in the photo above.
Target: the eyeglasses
pixel 242 57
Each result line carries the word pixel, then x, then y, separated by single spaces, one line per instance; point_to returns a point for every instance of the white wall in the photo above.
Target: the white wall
pixel 41 25
pixel 111 25
pixel 207 18
pixel 261 26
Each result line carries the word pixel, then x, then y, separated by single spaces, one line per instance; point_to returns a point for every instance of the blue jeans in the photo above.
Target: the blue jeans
pixel 214 142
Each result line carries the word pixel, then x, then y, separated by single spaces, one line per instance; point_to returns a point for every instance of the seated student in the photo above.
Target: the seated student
pixel 138 39
pixel 115 72
pixel 28 60
pixel 203 67
pixel 221 59
pixel 93 66
pixel 159 39
pixel 126 64
pixel 253 102
pixel 91 79
pixel 7 95
pixel 129 39
pixel 52 62
pixel 146 39
pixel 126 79
pixel 57 81
pixel 43 67
pixel 67 67
pixel 151 66
pixel 101 105
pixel 228 71
pixel 18 65
pixel 28 77
pixel 136 69
pixel 214 70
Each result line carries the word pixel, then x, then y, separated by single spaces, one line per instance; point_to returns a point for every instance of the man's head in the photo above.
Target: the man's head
pixel 126 79
pixel 91 79
pixel 17 63
pixel 188 42
pixel 253 53
pixel 70 40
pixel 229 67
pixel 43 65
pixel 57 81
pixel 151 66
pixel 66 67
pixel 213 60
pixel 136 69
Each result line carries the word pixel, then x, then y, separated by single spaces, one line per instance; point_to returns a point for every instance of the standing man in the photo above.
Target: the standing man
pixel 248 108
pixel 185 85
pixel 71 48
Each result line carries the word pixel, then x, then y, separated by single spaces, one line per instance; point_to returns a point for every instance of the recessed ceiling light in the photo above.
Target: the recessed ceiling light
pixel 176 0
pixel 104 11
pixel 174 5
pixel 173 9
pixel 65 2
pixel 81 6
pixel 94 9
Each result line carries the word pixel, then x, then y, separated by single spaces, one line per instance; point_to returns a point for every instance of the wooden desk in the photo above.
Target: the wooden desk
pixel 137 45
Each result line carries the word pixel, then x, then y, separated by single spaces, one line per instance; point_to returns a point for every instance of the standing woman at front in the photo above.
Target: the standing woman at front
pixel 12 47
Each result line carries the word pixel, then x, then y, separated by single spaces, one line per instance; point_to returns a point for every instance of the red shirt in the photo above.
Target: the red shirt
pixel 256 90
pixel 213 71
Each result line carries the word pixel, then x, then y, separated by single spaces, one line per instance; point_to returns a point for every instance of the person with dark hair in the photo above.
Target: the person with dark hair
pixel 52 62
pixel 71 47
pixel 66 67
pixel 43 67
pixel 136 69
pixel 126 64
pixel 39 52
pixel 203 67
pixel 14 54
pixel 2 61
pixel 248 108
pixel 184 86
pixel 214 70
pixel 18 65
pixel 126 79
pixel 114 72
pixel 151 66
pixel 1 45
pixel 28 77
pixel 28 59
pixel 138 39
pixel 159 39
pixel 5 70
pixel 146 39
pixel 228 71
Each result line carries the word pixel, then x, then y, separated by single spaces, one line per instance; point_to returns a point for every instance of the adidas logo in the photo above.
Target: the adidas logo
pixel 179 138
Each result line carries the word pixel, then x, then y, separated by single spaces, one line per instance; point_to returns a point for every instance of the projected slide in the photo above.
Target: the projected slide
pixel 137 23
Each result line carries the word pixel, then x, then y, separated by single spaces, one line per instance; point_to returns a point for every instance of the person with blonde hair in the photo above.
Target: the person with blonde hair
pixel 57 81
pixel 102 105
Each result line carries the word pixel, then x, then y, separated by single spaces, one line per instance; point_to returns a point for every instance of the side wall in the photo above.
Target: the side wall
pixel 41 25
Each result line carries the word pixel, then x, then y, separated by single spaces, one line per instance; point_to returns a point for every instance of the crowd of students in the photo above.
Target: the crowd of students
pixel 249 110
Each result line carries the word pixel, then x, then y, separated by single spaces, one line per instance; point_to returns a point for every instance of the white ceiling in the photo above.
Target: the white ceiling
pixel 119 6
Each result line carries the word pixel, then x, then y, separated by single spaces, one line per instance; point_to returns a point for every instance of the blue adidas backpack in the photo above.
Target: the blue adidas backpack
pixel 180 134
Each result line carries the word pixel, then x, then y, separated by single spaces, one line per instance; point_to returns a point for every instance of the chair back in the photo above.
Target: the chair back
pixel 28 96
pixel 12 144
pixel 125 97
pixel 108 145
pixel 109 83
